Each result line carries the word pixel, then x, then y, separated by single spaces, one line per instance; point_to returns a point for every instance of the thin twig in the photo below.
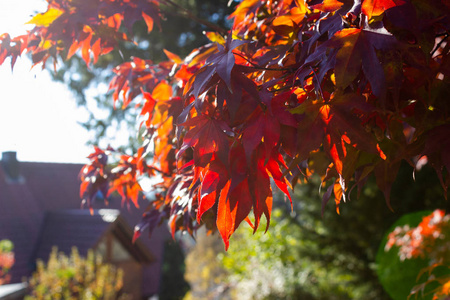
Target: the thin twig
pixel 320 88
pixel 259 67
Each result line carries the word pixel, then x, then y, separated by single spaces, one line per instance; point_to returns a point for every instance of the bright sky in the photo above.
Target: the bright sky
pixel 38 117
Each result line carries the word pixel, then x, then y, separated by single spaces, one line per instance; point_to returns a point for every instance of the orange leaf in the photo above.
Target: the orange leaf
pixel 173 57
pixel 374 8
pixel 338 194
pixel 295 16
pixel 96 49
pixel 73 48
pixel 85 50
pixel 148 20
pixel 336 150
pixel 224 221
pixel 328 5
pixel 325 113
pixel 148 107
pixel 162 92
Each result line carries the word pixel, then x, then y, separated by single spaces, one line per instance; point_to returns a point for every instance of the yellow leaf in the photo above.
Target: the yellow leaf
pixel 333 78
pixel 47 18
pixel 215 37
pixel 45 44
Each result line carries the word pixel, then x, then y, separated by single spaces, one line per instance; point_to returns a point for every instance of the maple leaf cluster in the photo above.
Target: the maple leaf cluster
pixel 429 240
pixel 340 89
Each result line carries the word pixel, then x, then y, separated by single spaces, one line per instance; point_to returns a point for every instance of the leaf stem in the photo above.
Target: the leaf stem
pixel 259 67
pixel 320 88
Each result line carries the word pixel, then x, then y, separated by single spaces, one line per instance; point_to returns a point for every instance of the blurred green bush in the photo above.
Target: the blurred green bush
pixel 76 277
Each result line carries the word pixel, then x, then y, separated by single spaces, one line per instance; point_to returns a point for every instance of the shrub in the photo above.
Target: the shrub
pixel 75 277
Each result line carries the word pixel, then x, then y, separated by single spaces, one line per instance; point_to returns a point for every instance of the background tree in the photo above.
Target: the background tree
pixel 343 90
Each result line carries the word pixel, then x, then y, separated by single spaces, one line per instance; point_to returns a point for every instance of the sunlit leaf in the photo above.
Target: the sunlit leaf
pixel 373 8
pixel 149 21
pixel 47 18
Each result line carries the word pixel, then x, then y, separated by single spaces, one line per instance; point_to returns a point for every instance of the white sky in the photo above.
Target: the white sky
pixel 38 117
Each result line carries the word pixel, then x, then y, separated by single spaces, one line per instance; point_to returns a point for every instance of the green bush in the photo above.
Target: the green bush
pixel 75 277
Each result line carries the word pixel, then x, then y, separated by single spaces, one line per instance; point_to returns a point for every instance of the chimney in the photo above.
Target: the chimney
pixel 11 165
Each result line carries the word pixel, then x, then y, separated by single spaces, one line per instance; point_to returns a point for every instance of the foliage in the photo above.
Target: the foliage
pixel 75 277
pixel 6 260
pixel 279 266
pixel 430 240
pixel 307 255
pixel 343 90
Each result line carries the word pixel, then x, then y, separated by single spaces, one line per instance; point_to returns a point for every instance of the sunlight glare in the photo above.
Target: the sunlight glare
pixel 38 117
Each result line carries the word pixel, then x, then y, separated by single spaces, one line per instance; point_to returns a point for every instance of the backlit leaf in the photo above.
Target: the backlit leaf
pixel 225 223
pixel 374 8
pixel 47 18
pixel 328 5
pixel 149 21
pixel 162 92
pixel 173 57
pixel 215 37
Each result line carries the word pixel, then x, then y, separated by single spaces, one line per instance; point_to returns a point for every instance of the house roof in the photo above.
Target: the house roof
pixel 20 219
pixel 13 291
pixel 66 228
pixel 29 202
